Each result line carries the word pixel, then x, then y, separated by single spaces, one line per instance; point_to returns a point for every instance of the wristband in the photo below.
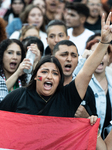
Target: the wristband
pixel 104 43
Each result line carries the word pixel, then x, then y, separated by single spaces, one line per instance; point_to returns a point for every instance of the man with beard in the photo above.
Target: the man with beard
pixel 94 20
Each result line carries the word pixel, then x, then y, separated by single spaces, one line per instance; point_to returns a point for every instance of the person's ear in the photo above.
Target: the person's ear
pixel 21 38
pixel 47 40
pixel 35 78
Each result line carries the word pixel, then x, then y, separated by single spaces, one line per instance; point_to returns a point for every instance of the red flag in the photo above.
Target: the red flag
pixel 32 132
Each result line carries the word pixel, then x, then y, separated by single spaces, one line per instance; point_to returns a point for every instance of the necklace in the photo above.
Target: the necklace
pixel 44 99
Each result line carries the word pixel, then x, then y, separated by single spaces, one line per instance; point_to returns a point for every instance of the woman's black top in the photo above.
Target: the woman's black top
pixel 63 103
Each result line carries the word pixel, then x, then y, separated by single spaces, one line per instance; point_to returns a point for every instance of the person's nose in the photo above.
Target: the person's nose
pixel 36 18
pixel 56 39
pixel 14 56
pixel 49 76
pixel 69 58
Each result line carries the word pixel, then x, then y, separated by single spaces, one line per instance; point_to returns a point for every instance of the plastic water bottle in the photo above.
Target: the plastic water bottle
pixel 31 57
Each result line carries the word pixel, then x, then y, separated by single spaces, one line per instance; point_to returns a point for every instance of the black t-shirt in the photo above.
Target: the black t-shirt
pixel 94 27
pixel 46 20
pixel 90 104
pixel 63 103
pixel 47 51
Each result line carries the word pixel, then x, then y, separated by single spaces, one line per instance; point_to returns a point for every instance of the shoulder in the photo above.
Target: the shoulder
pixel 15 95
pixel 3 89
pixel 42 33
pixel 9 103
pixel 109 70
pixel 69 30
pixel 15 35
pixel 2 83
pixel 70 88
pixel 89 31
pixel 17 92
pixel 108 73
pixel 17 20
pixel 90 91
pixel 47 51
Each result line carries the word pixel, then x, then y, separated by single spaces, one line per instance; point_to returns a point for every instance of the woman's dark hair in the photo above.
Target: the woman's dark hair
pixel 3 34
pixel 80 8
pixel 24 15
pixel 93 36
pixel 11 11
pixel 63 42
pixel 35 40
pixel 45 59
pixel 3 47
pixel 94 41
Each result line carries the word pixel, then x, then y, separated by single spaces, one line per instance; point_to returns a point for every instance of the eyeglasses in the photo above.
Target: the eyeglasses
pixel 29 24
pixel 93 4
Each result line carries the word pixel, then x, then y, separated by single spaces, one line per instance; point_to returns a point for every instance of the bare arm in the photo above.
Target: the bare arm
pixel 108 141
pixel 106 144
pixel 84 76
pixel 102 144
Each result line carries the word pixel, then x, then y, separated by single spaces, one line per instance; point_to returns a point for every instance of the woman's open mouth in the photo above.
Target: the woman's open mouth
pixel 13 65
pixel 47 85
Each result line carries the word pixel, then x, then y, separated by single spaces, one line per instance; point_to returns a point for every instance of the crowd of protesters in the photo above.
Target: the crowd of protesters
pixel 72 70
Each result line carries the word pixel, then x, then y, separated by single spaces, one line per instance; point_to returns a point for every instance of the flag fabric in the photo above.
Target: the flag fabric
pixel 32 132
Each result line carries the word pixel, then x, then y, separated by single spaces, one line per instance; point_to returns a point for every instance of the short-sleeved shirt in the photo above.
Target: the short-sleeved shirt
pixel 63 103
pixel 94 27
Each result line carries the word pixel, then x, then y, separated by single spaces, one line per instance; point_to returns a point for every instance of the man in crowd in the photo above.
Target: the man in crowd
pixel 75 18
pixel 94 20
pixel 56 31
pixel 66 52
pixel 51 7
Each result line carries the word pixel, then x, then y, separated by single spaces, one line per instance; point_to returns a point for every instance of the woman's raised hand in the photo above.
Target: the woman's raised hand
pixel 106 31
pixel 35 50
pixel 25 64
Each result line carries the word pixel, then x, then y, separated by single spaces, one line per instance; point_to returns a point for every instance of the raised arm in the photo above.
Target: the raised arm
pixel 84 76
pixel 104 144
pixel 108 141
